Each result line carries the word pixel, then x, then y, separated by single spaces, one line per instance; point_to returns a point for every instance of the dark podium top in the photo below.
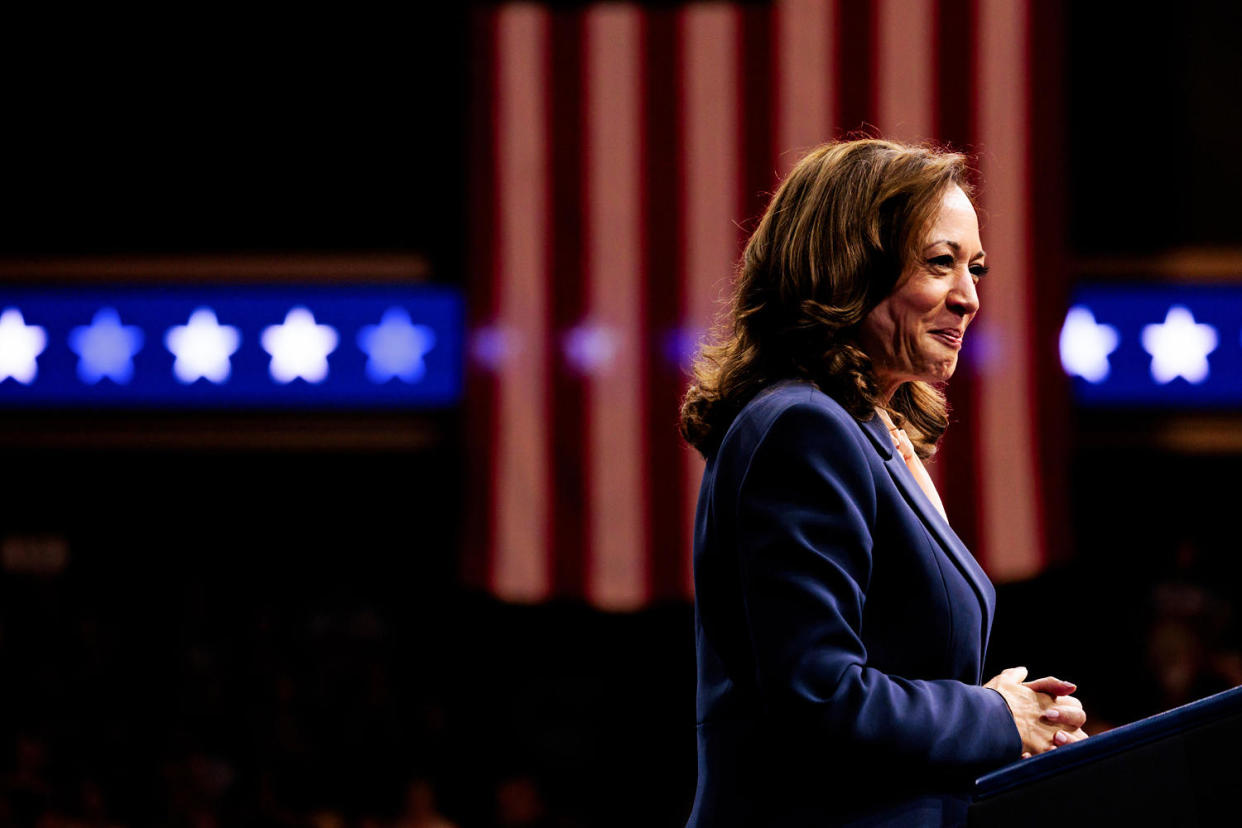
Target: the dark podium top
pixel 1180 767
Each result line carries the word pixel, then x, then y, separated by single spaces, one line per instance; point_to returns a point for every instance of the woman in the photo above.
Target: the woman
pixel 841 625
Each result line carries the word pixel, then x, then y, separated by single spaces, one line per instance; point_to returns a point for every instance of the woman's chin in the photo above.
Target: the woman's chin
pixel 940 372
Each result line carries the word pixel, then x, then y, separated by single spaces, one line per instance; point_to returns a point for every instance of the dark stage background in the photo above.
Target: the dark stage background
pixel 262 619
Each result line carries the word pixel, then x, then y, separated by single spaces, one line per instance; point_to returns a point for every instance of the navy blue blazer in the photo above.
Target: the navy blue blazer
pixel 841 627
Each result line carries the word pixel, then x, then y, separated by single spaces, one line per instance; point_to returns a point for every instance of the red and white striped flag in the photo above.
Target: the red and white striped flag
pixel 621 153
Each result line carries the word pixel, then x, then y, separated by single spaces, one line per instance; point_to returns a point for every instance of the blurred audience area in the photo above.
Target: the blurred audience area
pixel 320 674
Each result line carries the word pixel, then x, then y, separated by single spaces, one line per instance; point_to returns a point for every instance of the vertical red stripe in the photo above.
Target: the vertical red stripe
pixel 1050 396
pixel 567 427
pixel 855 68
pixel 711 174
pixel 956 73
pixel 905 74
pixel 669 524
pixel 616 572
pixel 955 125
pixel 905 68
pixel 480 392
pixel 805 70
pixel 757 111
pixel 1011 536
pixel 521 531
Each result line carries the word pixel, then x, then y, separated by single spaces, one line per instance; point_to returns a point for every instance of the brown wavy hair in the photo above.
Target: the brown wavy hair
pixel 830 246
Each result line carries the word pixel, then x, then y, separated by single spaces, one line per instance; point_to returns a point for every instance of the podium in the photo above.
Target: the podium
pixel 1182 767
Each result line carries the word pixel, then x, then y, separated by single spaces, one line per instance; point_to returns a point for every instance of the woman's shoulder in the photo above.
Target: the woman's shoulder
pixel 786 405
pixel 781 396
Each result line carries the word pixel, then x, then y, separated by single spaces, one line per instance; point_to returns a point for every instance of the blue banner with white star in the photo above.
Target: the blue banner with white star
pixel 268 347
pixel 1176 346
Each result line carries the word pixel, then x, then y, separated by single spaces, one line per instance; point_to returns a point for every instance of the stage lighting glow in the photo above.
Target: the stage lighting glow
pixel 299 347
pixel 106 348
pixel 396 347
pixel 590 348
pixel 680 346
pixel 492 346
pixel 1086 344
pixel 202 347
pixel 226 346
pixel 20 346
pixel 1179 346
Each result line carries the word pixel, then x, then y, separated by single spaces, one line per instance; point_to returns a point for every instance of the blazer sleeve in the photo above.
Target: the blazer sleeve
pixel 804 505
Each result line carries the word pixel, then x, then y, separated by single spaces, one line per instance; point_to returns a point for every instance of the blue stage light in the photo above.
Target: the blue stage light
pixel 20 346
pixel 202 347
pixel 1179 346
pixel 1166 346
pixel 106 348
pixel 250 344
pixel 299 347
pixel 396 347
pixel 1086 344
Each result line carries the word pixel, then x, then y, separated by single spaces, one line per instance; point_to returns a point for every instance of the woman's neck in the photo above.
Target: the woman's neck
pixel 888 387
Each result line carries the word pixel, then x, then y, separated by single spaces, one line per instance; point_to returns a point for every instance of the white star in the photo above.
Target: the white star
pixel 299 347
pixel 202 347
pixel 1085 345
pixel 1179 346
pixel 590 348
pixel 20 344
pixel 106 348
pixel 396 347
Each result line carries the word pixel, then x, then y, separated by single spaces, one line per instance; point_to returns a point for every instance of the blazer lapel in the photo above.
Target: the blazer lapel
pixel 936 524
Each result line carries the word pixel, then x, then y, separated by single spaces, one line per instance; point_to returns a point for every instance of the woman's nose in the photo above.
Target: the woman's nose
pixel 964 297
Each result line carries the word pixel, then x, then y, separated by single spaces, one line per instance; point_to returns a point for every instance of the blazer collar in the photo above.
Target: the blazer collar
pixel 877 432
pixel 880 438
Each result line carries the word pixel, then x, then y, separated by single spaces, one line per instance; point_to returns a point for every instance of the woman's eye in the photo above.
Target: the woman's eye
pixel 941 261
pixel 979 271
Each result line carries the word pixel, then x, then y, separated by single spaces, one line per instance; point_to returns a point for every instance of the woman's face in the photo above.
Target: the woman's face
pixel 916 332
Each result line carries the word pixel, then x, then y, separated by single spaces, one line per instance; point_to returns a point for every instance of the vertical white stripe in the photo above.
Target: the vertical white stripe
pixel 521 566
pixel 616 562
pixel 804 53
pixel 905 97
pixel 712 178
pixel 1006 433
pixel 906 31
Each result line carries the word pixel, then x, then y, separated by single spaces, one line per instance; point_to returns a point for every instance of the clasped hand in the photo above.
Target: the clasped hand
pixel 1046 714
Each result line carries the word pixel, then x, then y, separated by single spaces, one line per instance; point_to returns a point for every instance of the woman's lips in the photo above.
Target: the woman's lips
pixel 949 336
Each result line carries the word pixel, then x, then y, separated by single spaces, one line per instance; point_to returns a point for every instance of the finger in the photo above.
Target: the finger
pixel 1014 674
pixel 1026 754
pixel 1065 737
pixel 1072 718
pixel 1052 686
pixel 1068 700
